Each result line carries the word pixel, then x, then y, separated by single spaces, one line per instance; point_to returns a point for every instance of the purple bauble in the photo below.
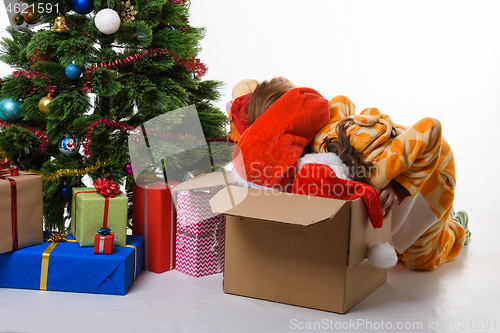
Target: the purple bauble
pixel 128 169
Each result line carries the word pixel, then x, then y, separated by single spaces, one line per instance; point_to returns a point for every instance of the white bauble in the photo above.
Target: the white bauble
pixel 107 21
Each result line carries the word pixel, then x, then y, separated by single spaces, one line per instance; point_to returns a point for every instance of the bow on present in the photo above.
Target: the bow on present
pixel 104 231
pixel 56 237
pixel 106 187
pixel 4 164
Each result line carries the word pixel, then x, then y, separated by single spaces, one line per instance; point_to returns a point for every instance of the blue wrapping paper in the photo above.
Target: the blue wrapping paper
pixel 73 268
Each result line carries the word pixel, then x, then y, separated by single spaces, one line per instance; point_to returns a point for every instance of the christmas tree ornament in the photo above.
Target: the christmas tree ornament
pixel 72 71
pixel 18 19
pixel 69 144
pixel 128 169
pixel 82 6
pixel 107 21
pixel 18 164
pixel 65 191
pixel 60 25
pixel 127 11
pixel 29 16
pixel 10 109
pixel 42 105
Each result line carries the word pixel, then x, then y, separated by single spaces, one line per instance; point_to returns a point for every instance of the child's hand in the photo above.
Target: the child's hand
pixel 391 200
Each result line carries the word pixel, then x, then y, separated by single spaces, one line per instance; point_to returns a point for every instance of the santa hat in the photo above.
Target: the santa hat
pixel 325 175
pixel 238 113
pixel 268 151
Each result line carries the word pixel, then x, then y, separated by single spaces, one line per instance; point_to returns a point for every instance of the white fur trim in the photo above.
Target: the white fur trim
pixel 382 255
pixel 245 183
pixel 331 160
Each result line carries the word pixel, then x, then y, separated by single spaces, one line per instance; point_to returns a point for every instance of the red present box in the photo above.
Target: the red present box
pixel 104 244
pixel 154 218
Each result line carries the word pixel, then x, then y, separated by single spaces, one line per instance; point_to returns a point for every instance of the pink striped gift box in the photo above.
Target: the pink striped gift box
pixel 200 235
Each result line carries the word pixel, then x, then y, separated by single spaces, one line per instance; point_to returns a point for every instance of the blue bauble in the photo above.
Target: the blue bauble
pixel 69 144
pixel 82 6
pixel 72 71
pixel 65 191
pixel 10 109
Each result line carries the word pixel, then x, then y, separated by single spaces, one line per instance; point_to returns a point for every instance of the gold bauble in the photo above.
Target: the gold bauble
pixel 42 105
pixel 18 19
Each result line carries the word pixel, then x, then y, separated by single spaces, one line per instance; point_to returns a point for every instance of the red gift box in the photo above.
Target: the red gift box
pixel 104 244
pixel 154 218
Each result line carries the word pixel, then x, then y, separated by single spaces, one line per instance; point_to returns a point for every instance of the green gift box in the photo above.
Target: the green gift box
pixel 88 215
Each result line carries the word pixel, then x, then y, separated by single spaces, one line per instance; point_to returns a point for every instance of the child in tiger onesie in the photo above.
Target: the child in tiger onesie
pixel 413 166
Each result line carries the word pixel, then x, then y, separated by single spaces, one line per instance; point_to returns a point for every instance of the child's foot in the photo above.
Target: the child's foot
pixel 462 218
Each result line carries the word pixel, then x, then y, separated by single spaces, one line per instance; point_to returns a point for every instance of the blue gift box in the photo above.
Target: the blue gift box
pixel 73 268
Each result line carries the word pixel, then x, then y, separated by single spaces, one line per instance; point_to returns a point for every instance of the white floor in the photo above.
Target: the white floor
pixel 461 296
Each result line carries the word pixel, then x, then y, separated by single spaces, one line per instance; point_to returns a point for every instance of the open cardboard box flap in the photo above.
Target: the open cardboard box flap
pixel 274 206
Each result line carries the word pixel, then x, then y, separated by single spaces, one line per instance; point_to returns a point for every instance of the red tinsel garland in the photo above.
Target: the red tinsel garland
pixel 44 143
pixel 37 56
pixel 51 89
pixel 193 65
pixel 101 122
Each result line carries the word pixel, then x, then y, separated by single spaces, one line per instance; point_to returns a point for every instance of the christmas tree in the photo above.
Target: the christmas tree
pixel 86 74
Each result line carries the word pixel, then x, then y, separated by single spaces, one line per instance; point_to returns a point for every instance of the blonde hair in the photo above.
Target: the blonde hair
pixel 265 95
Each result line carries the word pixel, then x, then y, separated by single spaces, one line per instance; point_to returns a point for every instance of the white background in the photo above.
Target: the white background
pixel 410 59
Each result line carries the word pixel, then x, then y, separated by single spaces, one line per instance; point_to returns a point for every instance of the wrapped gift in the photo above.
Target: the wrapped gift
pixel 59 265
pixel 200 235
pixel 94 208
pixel 154 217
pixel 104 242
pixel 21 210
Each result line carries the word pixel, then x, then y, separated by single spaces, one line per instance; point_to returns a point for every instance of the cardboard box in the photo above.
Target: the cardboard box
pixel 72 268
pixel 29 212
pixel 296 249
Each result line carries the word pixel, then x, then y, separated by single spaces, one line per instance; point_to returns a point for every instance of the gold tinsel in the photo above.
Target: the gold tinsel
pixel 69 172
pixel 128 12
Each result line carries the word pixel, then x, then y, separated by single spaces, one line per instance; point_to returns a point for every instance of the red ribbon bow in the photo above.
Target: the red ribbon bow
pixel 106 187
pixel 4 164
